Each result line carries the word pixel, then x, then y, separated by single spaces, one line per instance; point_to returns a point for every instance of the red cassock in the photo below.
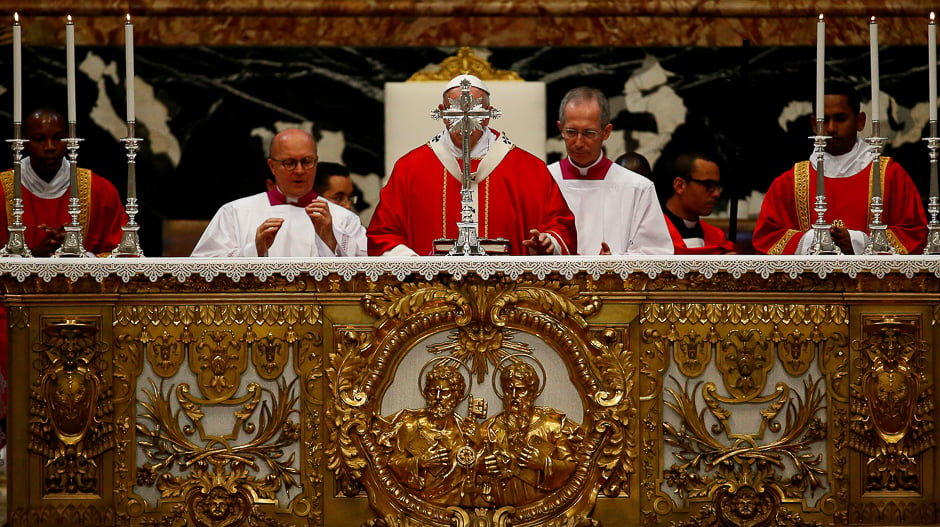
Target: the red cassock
pixel 102 214
pixel 787 211
pixel 715 240
pixel 421 203
pixel 101 217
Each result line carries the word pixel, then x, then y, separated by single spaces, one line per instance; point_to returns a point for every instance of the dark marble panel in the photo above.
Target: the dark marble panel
pixel 207 112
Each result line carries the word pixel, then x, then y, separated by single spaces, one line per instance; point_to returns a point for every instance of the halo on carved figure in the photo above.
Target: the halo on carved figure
pixel 441 360
pixel 498 372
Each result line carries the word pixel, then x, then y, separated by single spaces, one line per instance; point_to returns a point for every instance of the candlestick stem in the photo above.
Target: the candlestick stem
pixel 16 238
pixel 72 246
pixel 877 231
pixel 822 238
pixel 130 240
pixel 933 205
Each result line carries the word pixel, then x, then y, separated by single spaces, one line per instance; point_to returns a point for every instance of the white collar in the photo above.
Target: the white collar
pixel 584 170
pixel 478 151
pixel 39 187
pixel 847 164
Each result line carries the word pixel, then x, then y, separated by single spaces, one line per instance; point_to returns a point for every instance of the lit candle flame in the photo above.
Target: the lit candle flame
pixel 69 19
pixel 932 18
pixel 873 19
pixel 16 18
pixel 128 18
pixel 820 17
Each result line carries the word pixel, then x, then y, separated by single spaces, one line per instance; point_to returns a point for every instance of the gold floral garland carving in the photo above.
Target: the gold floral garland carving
pixel 465 62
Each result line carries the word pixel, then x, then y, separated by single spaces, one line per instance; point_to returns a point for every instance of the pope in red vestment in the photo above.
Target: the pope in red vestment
pixel 514 196
pixel 787 212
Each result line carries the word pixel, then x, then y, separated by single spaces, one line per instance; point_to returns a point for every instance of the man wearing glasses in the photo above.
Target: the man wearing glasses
pixel 689 184
pixel 290 219
pixel 615 210
pixel 334 184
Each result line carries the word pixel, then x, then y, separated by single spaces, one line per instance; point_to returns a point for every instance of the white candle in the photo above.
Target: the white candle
pixel 932 65
pixel 820 69
pixel 129 66
pixel 875 82
pixel 70 66
pixel 17 70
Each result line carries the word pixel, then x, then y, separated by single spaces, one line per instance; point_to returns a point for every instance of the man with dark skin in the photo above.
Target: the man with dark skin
pixel 45 177
pixel 784 225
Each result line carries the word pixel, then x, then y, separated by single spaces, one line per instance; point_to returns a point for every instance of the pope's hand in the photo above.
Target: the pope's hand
pixel 605 249
pixel 265 234
pixel 319 212
pixel 539 243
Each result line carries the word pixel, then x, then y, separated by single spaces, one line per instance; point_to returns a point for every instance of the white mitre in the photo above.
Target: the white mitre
pixel 475 82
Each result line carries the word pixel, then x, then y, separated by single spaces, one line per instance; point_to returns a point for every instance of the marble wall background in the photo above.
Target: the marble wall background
pixel 215 82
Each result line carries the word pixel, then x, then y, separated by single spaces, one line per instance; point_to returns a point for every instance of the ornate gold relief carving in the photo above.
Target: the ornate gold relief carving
pixel 219 362
pixel 65 514
pixel 744 361
pixel 486 320
pixel 742 460
pixel 742 314
pixel 693 352
pixel 218 487
pixel 729 473
pixel 18 317
pixel 71 422
pixel 892 402
pixel 165 352
pixel 465 62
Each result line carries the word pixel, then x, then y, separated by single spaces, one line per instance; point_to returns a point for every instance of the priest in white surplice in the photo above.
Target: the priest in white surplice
pixel 615 210
pixel 288 220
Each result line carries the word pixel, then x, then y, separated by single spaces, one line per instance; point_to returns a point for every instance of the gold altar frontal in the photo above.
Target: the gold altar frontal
pixel 721 391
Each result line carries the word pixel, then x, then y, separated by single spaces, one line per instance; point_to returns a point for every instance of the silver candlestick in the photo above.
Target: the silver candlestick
pixel 878 232
pixel 822 237
pixel 72 246
pixel 933 206
pixel 16 239
pixel 467 113
pixel 130 242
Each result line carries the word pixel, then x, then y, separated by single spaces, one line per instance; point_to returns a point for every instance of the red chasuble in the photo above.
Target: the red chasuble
pixel 421 203
pixel 102 214
pixel 715 240
pixel 787 211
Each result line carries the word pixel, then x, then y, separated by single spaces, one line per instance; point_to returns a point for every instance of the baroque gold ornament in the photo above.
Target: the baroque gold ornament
pixel 434 467
pixel 71 424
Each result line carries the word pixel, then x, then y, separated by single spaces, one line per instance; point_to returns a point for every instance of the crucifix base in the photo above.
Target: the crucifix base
pixel 452 247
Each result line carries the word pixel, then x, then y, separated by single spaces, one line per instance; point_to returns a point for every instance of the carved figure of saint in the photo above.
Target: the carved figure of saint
pixel 434 451
pixel 530 451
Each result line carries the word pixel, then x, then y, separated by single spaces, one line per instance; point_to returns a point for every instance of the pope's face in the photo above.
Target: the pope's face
pixel 455 135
